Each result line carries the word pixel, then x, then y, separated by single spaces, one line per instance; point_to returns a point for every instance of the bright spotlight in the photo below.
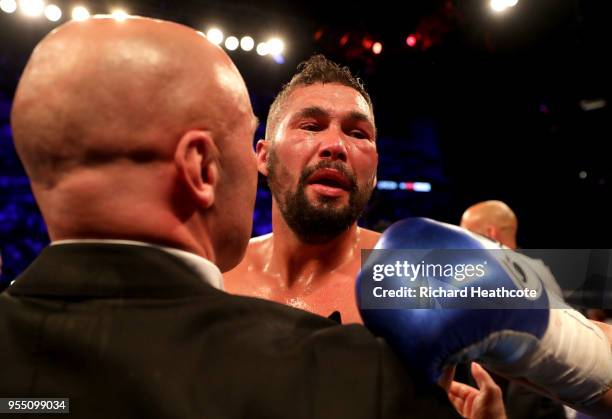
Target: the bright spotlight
pixel 231 43
pixel 377 48
pixel 499 5
pixel 8 6
pixel 80 13
pixel 263 48
pixel 119 15
pixel 215 36
pixel 247 43
pixel 502 5
pixel 32 8
pixel 53 13
pixel 275 46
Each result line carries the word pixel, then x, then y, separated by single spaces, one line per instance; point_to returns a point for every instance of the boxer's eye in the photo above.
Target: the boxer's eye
pixel 356 133
pixel 310 126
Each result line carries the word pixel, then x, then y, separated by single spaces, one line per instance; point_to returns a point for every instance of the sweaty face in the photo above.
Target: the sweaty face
pixel 321 163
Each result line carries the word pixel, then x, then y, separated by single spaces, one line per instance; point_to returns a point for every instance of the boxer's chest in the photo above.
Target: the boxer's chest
pixel 333 292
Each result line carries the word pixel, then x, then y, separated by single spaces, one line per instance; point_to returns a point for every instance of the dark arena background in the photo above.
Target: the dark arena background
pixel 474 100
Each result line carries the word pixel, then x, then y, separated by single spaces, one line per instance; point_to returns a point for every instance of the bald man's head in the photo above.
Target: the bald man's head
pixel 112 111
pixel 492 219
pixel 101 90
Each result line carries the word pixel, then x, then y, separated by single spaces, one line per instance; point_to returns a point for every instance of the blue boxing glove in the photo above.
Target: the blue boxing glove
pixel 498 312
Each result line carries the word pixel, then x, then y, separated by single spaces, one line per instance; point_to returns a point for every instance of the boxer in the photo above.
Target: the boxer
pixel 320 159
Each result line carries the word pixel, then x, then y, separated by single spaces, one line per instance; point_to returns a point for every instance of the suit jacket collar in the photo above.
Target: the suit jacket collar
pixel 103 270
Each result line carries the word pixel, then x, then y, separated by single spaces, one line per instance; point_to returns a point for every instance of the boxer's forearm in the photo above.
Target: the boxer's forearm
pixel 603 407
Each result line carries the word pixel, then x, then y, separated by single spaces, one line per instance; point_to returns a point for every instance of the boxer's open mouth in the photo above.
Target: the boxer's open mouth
pixel 331 178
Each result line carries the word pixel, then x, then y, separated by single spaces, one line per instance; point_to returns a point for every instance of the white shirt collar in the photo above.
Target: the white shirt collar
pixel 204 268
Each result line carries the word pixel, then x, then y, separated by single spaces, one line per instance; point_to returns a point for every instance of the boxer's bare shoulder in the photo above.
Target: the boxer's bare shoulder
pixel 368 238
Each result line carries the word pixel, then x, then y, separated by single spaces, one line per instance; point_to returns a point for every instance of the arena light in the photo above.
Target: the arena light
pixel 80 13
pixel 8 6
pixel 275 46
pixel 499 6
pixel 415 186
pixel 344 39
pixel 411 40
pixel 421 187
pixel 247 43
pixel 592 104
pixel 119 15
pixel 215 36
pixel 377 48
pixel 53 13
pixel 231 43
pixel 263 48
pixel 278 59
pixel 391 185
pixel 32 8
pixel 386 185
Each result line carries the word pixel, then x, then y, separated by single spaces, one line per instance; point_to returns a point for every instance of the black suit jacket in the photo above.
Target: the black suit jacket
pixel 131 331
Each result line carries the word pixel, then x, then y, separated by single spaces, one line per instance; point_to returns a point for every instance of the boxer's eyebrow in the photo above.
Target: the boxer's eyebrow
pixel 312 112
pixel 318 112
pixel 359 116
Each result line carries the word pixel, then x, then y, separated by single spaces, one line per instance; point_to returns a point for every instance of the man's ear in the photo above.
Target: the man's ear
pixel 262 156
pixel 494 234
pixel 197 162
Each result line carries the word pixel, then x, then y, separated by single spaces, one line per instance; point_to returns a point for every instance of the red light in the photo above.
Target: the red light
pixel 377 48
pixel 407 186
pixel 367 43
pixel 344 39
pixel 411 40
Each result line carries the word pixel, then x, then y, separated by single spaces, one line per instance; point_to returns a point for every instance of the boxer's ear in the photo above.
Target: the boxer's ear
pixel 262 156
pixel 197 162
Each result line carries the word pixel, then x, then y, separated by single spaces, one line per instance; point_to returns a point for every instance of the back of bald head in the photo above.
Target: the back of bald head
pixel 102 91
pixel 493 219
